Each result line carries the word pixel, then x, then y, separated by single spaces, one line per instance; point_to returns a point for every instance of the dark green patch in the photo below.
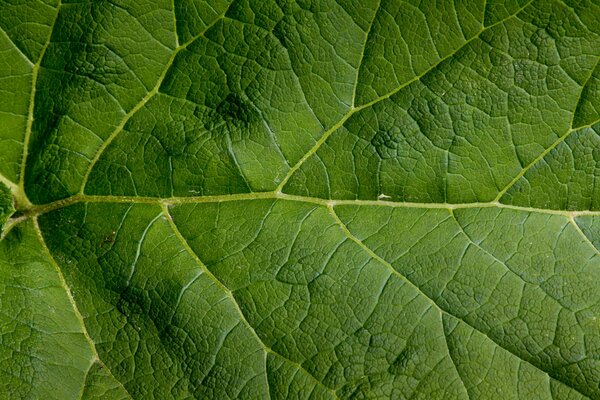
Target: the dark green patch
pixel 401 361
pixel 7 207
pixel 386 142
pixel 237 110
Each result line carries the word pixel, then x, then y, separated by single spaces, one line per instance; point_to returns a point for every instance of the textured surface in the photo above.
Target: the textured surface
pixel 7 207
pixel 300 199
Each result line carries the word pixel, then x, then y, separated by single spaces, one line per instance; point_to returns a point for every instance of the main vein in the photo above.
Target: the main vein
pixel 82 198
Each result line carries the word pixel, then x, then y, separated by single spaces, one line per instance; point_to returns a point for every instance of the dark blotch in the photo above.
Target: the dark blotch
pixel 401 361
pixel 237 110
pixel 386 142
pixel 131 303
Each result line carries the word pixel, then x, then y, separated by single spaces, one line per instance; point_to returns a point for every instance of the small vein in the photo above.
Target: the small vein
pixel 583 235
pixel 362 55
pixel 540 157
pixel 138 250
pixel 175 23
pixel 558 141
pixel 30 62
pixel 555 298
pixel 85 376
pixel 235 161
pixel 485 4
pixel 583 87
pixel 462 381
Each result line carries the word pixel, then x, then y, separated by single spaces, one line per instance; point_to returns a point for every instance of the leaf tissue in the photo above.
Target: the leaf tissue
pixel 299 199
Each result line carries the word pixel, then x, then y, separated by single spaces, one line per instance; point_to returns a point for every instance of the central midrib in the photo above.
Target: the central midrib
pixel 170 201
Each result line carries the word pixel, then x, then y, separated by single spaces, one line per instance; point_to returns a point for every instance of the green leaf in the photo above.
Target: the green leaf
pixel 315 199
pixel 7 207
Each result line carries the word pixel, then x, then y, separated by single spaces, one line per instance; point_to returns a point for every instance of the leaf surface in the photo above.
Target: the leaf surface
pixel 310 200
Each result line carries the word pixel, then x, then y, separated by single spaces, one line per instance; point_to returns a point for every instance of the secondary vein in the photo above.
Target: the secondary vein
pixel 353 110
pixel 235 304
pixel 141 103
pixel 63 282
pixel 394 272
pixel 34 76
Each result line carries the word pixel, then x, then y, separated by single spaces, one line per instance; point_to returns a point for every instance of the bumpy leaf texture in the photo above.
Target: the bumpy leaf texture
pixel 310 199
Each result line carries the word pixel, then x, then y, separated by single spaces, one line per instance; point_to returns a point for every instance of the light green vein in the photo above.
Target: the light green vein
pixel 16 47
pixel 362 57
pixel 583 86
pixel 42 209
pixel 557 142
pixel 454 364
pixel 10 184
pixel 175 23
